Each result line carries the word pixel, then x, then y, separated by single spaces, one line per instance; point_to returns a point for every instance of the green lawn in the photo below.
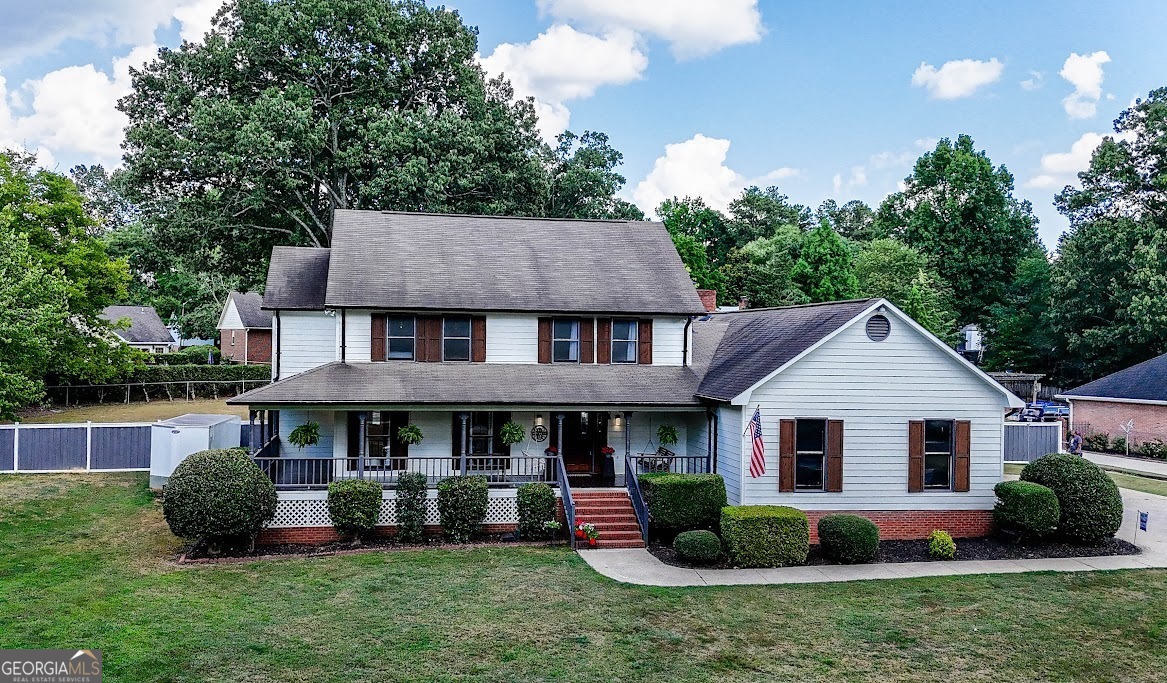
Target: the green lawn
pixel 85 562
pixel 132 412
pixel 1124 480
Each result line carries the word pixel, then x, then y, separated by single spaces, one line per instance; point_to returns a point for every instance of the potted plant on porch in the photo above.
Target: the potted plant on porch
pixel 307 434
pixel 410 435
pixel 512 433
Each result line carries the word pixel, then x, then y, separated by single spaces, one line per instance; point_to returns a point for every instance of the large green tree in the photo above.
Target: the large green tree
pixel 854 220
pixel 1019 334
pixel 759 213
pixel 1109 282
pixel 886 267
pixel 824 270
pixel 584 180
pixel 959 211
pixel 761 271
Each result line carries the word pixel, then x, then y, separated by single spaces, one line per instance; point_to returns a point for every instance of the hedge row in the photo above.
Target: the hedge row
pixel 681 502
pixel 198 373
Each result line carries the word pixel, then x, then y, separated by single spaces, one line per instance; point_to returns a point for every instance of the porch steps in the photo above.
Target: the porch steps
pixel 612 513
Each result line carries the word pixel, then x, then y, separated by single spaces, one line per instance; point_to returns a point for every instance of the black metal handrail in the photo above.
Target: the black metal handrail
pixel 307 473
pixel 650 463
pixel 636 496
pixel 568 500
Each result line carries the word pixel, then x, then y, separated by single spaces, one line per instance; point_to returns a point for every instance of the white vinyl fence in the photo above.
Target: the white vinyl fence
pixel 1028 441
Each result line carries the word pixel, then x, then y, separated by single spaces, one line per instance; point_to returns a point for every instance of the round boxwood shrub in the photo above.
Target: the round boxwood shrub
pixel 219 497
pixel 848 539
pixel 765 535
pixel 354 506
pixel 410 505
pixel 462 504
pixel 940 545
pixel 536 505
pixel 1026 509
pixel 698 547
pixel 680 502
pixel 1091 507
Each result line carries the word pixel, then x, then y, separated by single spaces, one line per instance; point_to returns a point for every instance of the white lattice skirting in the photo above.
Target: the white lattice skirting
pixel 310 508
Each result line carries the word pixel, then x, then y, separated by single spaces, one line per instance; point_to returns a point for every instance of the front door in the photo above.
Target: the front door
pixel 584 434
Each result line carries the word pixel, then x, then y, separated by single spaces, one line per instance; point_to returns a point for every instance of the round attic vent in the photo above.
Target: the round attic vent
pixel 878 328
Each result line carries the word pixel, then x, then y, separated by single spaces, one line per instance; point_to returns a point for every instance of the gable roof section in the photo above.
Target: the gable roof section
pixel 296 279
pixel 742 348
pixel 249 307
pixel 415 261
pixel 1146 381
pixel 145 325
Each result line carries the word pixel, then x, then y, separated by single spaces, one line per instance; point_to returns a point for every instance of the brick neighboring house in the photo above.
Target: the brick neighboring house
pixel 245 329
pixel 1137 395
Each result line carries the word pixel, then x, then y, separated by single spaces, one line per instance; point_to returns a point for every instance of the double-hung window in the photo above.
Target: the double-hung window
pixel 810 450
pixel 624 341
pixel 938 452
pixel 456 338
pixel 565 341
pixel 400 340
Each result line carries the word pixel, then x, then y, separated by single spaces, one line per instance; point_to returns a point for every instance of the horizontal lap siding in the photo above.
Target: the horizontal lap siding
pixel 876 388
pixel 306 340
pixel 290 419
pixel 512 339
pixel 668 341
pixel 729 450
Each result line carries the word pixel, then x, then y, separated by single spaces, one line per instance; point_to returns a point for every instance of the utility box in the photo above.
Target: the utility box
pixel 171 441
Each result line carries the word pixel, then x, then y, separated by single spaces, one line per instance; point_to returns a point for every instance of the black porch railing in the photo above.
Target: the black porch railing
pixel 632 483
pixel 568 500
pixel 307 473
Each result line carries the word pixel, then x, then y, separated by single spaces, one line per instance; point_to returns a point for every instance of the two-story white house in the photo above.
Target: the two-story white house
pixel 591 336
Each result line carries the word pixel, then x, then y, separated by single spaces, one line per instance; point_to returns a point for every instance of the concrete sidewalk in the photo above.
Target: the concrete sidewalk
pixel 1154 468
pixel 641 567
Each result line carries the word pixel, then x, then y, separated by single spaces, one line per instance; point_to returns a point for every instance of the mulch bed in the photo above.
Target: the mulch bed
pixel 987 548
pixel 197 553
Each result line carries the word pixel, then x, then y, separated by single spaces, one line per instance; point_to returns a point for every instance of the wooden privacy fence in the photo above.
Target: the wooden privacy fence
pixel 84 446
pixel 1028 441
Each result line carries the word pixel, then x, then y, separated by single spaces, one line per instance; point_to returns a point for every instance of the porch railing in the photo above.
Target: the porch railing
pixel 291 473
pixel 568 500
pixel 632 483
pixel 649 463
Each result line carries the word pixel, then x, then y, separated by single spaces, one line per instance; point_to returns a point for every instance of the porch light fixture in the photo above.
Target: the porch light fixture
pixel 618 422
pixel 538 420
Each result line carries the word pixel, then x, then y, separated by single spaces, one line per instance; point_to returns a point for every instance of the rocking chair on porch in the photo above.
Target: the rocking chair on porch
pixel 661 461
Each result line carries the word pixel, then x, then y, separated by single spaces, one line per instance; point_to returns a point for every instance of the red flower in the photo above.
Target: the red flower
pixel 607 450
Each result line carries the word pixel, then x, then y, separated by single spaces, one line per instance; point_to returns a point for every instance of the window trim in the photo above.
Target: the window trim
pixel 951 453
pixel 469 338
pixel 386 462
pixel 822 487
pixel 634 341
pixel 577 327
pixel 389 337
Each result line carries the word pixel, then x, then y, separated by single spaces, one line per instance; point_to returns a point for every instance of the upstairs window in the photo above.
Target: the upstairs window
pixel 565 341
pixel 938 451
pixel 456 338
pixel 810 451
pixel 401 338
pixel 624 341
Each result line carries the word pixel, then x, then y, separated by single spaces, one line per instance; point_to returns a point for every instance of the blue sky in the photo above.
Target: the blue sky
pixel 823 99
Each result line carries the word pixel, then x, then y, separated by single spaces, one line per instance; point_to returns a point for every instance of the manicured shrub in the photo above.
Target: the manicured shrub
pixel 1091 507
pixel 765 535
pixel 1026 509
pixel 354 506
pixel 848 539
pixel 537 506
pixel 698 547
pixel 218 496
pixel 462 503
pixel 1154 448
pixel 1119 444
pixel 941 546
pixel 1097 442
pixel 410 506
pixel 680 502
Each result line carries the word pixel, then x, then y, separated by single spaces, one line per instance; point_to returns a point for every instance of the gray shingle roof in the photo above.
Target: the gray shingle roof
pixel 296 278
pixel 487 263
pixel 1146 381
pixel 250 309
pixel 738 349
pixel 481 383
pixel 145 325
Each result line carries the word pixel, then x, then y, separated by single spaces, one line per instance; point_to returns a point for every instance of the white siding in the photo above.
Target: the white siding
pixel 876 388
pixel 307 340
pixel 231 319
pixel 729 450
pixel 290 419
pixel 512 338
pixel 358 336
pixel 668 341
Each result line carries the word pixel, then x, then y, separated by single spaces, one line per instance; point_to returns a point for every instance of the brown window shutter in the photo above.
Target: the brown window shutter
pixel 587 340
pixel 916 456
pixel 478 339
pixel 544 340
pixel 834 456
pixel 960 476
pixel 786 455
pixel 378 340
pixel 604 341
pixel 429 339
pixel 644 336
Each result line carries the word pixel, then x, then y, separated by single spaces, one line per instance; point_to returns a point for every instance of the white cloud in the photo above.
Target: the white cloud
pixel 693 28
pixel 31 29
pixel 1059 169
pixel 858 178
pixel 195 19
pixel 1034 82
pixel 696 168
pixel 1084 72
pixel 957 78
pixel 563 64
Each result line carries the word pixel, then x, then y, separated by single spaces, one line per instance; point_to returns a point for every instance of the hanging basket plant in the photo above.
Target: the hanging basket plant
pixel 666 435
pixel 307 434
pixel 410 435
pixel 512 433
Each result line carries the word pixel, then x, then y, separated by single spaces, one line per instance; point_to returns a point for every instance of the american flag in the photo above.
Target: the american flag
pixel 758 460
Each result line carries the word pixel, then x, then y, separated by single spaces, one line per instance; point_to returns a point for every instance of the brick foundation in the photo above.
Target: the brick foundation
pixel 908 525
